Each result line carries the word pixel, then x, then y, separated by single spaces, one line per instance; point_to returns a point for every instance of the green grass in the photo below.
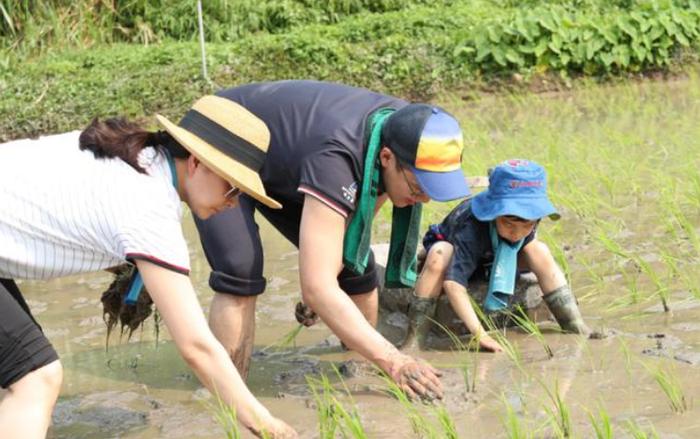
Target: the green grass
pixel 416 50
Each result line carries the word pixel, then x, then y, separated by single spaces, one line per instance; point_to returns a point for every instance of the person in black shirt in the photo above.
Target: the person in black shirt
pixel 315 167
pixel 500 220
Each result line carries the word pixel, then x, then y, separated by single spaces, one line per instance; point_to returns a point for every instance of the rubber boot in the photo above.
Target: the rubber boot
pixel 421 311
pixel 562 304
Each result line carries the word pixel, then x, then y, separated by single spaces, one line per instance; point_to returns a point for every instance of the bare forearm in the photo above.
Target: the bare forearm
pixel 346 321
pixel 210 362
pixel 461 304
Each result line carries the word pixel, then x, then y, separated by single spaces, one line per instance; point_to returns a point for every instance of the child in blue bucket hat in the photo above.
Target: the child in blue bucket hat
pixel 493 235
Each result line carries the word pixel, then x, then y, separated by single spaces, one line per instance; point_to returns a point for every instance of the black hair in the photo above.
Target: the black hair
pixel 120 138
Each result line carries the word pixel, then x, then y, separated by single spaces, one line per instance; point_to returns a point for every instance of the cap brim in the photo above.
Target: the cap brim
pixel 486 208
pixel 442 186
pixel 230 170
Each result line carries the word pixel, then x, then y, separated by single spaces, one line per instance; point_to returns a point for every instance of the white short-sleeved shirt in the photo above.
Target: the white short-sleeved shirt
pixel 62 211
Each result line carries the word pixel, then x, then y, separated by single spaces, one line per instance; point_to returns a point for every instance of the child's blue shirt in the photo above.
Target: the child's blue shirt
pixel 473 251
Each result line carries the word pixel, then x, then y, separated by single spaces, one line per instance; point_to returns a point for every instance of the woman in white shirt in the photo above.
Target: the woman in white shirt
pixel 80 202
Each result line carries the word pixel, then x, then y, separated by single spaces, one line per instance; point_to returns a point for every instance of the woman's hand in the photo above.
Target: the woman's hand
pixel 276 429
pixel 415 377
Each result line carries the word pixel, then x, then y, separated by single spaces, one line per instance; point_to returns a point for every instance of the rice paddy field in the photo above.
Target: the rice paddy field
pixel 623 167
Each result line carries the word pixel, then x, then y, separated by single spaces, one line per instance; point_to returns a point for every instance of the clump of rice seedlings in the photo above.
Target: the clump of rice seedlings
pixel 559 413
pixel 514 428
pixel 661 287
pixel 332 414
pixel 523 321
pixel 419 424
pixel 638 433
pixel 671 264
pixel 627 355
pixel 511 351
pixel 287 340
pixel 454 338
pixel 601 426
pixel 597 278
pixel 546 236
pixel 449 430
pixel 643 266
pixel 322 392
pixel 632 297
pixel 225 416
pixel 671 387
pixel 685 225
pixel 468 375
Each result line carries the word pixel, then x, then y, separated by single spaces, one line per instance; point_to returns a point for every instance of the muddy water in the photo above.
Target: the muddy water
pixel 140 389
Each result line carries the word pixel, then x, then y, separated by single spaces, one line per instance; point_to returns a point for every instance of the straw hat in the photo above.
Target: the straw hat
pixel 228 139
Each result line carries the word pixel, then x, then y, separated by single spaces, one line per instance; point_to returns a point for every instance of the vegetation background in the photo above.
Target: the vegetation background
pixel 63 62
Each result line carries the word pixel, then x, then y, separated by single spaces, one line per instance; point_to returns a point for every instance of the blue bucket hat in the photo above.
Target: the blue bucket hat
pixel 518 188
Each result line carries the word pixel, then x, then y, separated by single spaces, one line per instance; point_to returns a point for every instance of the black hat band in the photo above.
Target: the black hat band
pixel 224 140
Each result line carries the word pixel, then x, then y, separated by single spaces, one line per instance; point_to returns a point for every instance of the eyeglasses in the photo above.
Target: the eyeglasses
pixel 232 193
pixel 415 193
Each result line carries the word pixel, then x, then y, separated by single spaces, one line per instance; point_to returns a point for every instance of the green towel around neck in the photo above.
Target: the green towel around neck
pixel 405 221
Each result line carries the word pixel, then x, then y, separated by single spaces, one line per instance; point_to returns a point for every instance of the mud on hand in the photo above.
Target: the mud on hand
pixel 305 315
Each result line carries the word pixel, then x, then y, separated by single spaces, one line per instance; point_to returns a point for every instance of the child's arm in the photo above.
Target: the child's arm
pixel 462 305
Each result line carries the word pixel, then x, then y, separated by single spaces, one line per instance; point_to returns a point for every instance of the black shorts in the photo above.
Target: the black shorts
pixel 231 242
pixel 23 346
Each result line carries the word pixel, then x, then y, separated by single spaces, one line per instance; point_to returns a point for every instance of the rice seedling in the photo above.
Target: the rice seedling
pixel 559 413
pixel 547 237
pixel 512 423
pixel 333 416
pixel 594 274
pixel 419 424
pixel 672 388
pixel 449 430
pixel 469 376
pixel 457 343
pixel 225 416
pixel 287 340
pixel 638 432
pixel 523 321
pixel 322 392
pixel 627 355
pixel 661 287
pixel 511 350
pixel 601 425
pixel 688 228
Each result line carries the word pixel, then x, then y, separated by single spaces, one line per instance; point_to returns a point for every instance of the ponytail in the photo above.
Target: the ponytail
pixel 119 138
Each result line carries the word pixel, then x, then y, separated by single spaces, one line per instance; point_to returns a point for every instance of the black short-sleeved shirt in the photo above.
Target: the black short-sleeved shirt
pixel 473 252
pixel 317 143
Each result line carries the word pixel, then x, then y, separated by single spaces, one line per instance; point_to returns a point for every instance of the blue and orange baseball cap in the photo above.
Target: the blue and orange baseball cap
pixel 429 140
pixel 516 187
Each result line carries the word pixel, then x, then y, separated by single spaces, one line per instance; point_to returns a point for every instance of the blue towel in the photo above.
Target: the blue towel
pixel 503 271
